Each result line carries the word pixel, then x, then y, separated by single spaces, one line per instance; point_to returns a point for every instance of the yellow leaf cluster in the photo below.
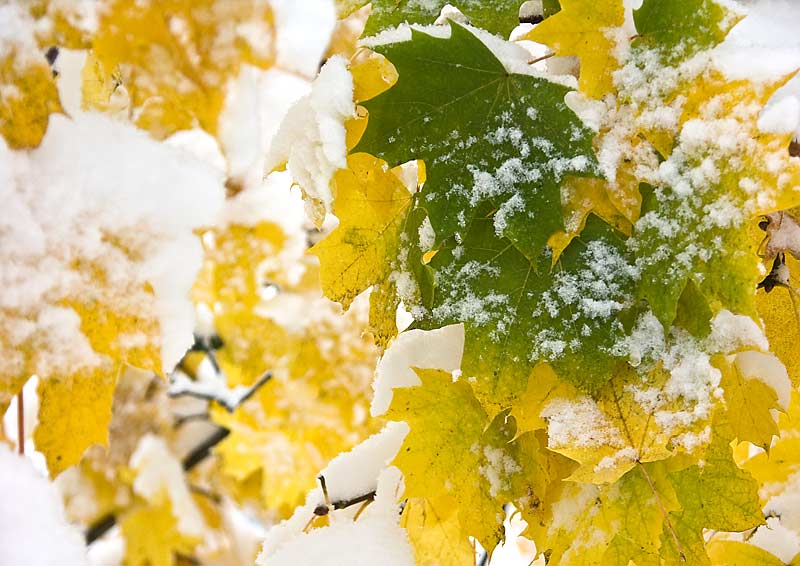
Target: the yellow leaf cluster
pixel 175 57
pixel 28 96
pixel 585 28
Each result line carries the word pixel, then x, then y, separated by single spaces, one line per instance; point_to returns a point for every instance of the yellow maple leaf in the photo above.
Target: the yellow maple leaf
pixel 481 463
pixel 372 205
pixel 28 95
pixel 584 28
pixel 152 536
pixel 175 57
pixel 749 402
pixel 582 523
pixel 735 553
pixel 74 413
pixel 434 533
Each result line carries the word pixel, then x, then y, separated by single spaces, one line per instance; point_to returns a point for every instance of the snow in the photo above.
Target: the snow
pixel 580 423
pixel 311 138
pixel 159 473
pixel 354 473
pixel 448 13
pixel 432 349
pixel 497 468
pixel 16 35
pixel 777 539
pixel 514 56
pixel 33 526
pixel 256 103
pixel 207 386
pixel 375 538
pixel 91 182
pixel 769 369
pixel 304 31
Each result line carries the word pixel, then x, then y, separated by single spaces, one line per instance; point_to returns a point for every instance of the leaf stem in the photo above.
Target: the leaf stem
pixel 542 58
pixel 20 423
pixel 663 511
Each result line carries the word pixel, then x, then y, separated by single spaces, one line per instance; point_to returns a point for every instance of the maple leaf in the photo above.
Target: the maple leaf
pixel 663 26
pixel 514 154
pixel 434 532
pixel 481 463
pixel 496 16
pixel 518 312
pixel 581 196
pixel 653 514
pixel 74 414
pixel 750 400
pixel 174 58
pixel 585 28
pixel 719 495
pixel 678 217
pixel 28 93
pixel 152 536
pixel 735 553
pixel 372 205
pixel 611 524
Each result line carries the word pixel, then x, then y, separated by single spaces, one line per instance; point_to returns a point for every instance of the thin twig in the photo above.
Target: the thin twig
pixel 181 420
pixel 230 407
pixel 202 450
pixel 542 58
pixel 20 423
pixel 663 511
pixel 197 455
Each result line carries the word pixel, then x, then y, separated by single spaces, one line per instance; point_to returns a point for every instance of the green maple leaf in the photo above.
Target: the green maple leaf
pixel 485 135
pixel 519 312
pixel 496 16
pixel 674 242
pixel 679 29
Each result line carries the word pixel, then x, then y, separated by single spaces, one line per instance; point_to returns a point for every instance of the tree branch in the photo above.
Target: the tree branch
pixel 230 399
pixel 192 459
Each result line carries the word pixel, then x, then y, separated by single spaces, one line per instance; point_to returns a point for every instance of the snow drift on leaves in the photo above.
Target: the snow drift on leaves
pixel 102 196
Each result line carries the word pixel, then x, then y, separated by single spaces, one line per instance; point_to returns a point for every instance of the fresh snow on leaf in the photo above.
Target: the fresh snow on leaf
pixel 513 155
pixel 311 138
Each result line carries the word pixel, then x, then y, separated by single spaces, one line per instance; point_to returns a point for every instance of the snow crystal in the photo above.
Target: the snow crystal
pixel 427 236
pixel 579 423
pixel 159 473
pixel 630 454
pixel 349 475
pixel 567 510
pixel 497 468
pixel 448 13
pixel 782 117
pixel 434 349
pixel 33 527
pixel 354 473
pixel 16 35
pixel 312 135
